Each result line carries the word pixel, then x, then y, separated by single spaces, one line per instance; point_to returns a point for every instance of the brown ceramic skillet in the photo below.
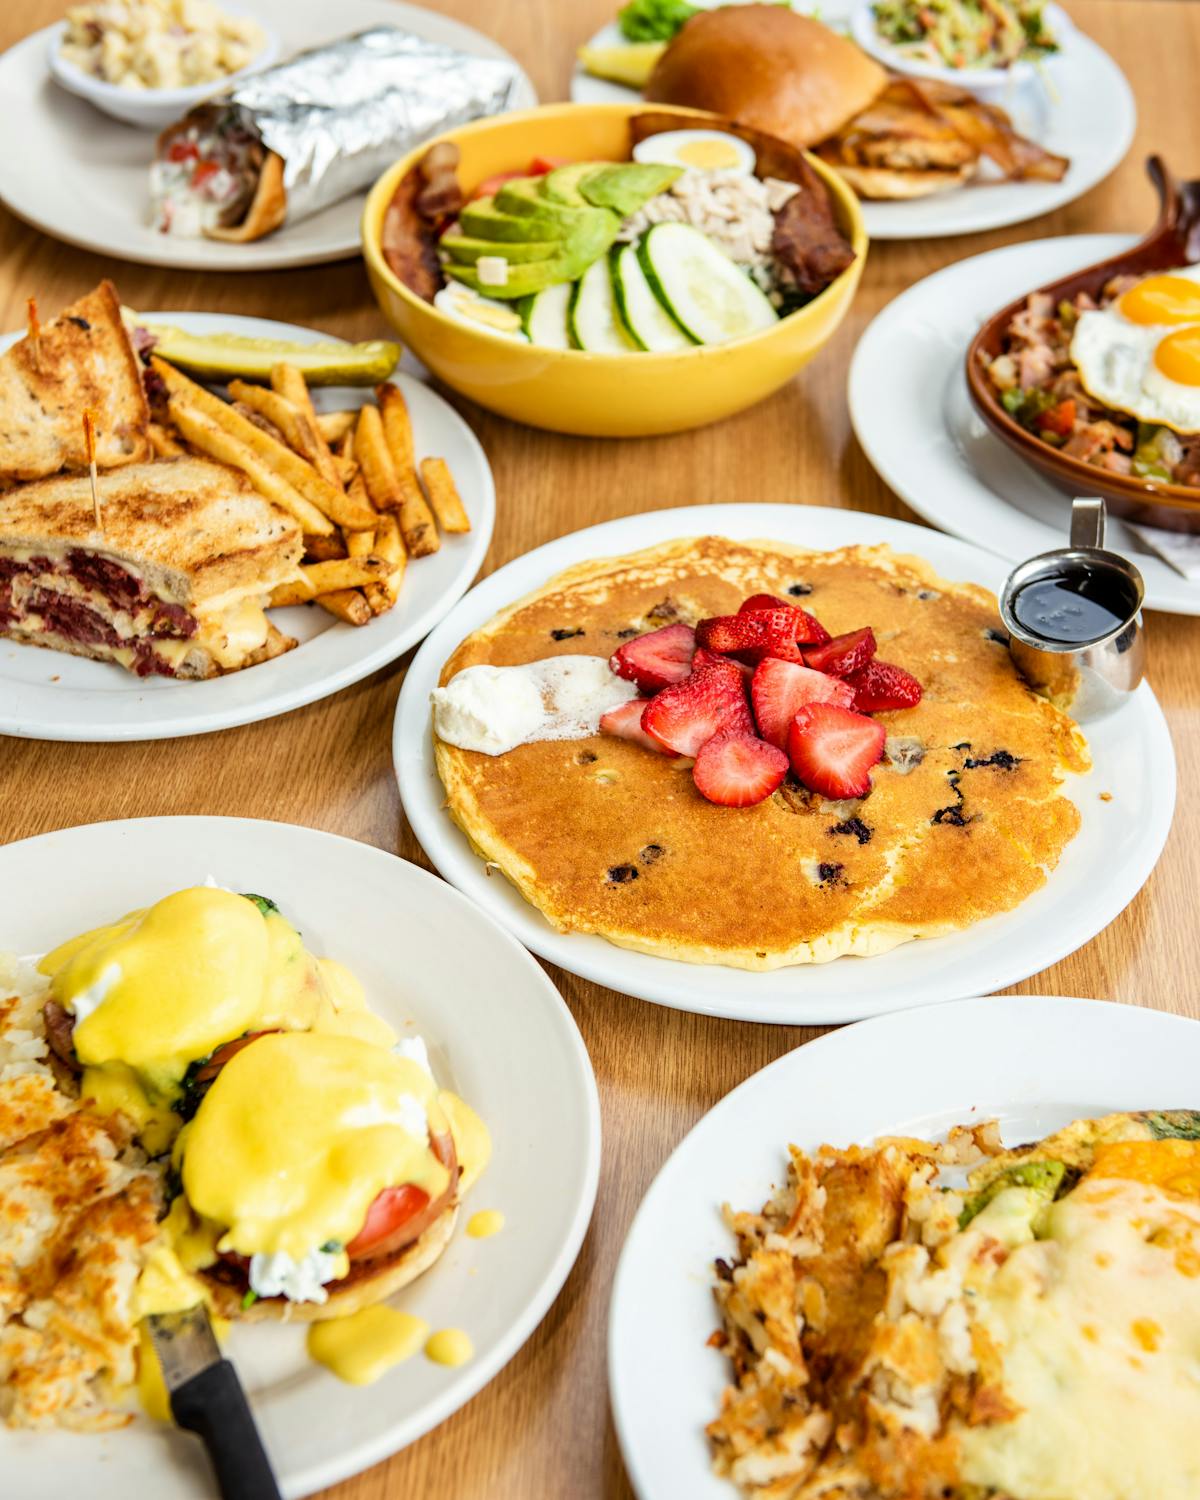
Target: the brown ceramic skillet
pixel 1174 241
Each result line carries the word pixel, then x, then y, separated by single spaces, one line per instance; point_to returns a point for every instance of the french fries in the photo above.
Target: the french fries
pixel 416 519
pixel 350 478
pixel 334 425
pixel 290 466
pixel 443 495
pixel 210 437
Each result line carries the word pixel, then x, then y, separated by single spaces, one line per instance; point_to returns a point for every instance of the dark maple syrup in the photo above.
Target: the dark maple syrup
pixel 1072 608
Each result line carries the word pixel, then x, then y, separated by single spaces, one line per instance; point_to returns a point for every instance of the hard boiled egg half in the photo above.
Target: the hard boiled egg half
pixel 1141 353
pixel 484 314
pixel 699 151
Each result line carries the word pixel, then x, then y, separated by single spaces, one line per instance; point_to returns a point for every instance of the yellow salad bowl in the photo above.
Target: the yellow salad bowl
pixel 568 390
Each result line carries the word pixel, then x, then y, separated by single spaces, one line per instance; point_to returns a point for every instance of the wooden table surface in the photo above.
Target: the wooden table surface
pixel 542 1429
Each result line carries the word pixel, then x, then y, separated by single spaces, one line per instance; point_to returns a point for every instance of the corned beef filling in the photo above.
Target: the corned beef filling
pixel 75 620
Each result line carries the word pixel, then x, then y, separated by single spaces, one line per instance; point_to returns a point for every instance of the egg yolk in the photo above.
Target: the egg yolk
pixel 1162 299
pixel 1178 356
pixel 708 156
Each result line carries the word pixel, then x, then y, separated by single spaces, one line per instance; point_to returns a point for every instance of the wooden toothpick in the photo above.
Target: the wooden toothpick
pixel 89 438
pixel 35 332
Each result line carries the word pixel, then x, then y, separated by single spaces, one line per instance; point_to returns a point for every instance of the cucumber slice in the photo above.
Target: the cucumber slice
pixel 647 320
pixel 594 320
pixel 545 316
pixel 706 294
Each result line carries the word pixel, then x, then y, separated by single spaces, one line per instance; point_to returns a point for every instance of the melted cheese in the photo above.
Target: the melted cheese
pixel 115 1088
pixel 231 634
pixel 1098 1330
pixel 302 1173
pixel 362 1347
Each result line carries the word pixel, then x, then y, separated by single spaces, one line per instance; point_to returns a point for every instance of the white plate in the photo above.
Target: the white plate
pixel 83 177
pixel 1133 760
pixel 499 1035
pixel 1091 121
pixel 928 442
pixel 1035 1063
pixel 50 695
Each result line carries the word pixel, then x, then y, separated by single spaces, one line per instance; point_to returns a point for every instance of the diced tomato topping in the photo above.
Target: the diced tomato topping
pixel 183 151
pixel 540 165
pixel 204 170
pixel 489 185
pixel 1059 419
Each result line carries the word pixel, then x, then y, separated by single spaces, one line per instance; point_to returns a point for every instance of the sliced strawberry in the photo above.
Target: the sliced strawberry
pixel 684 717
pixel 656 660
pixel 843 654
pixel 760 602
pixel 780 689
pixel 761 632
pixel 705 658
pixel 880 685
pixel 832 749
pixel 738 770
pixel 625 722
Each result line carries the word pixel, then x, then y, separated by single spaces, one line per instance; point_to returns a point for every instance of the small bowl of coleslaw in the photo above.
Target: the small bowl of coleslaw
pixel 994 48
pixel 147 62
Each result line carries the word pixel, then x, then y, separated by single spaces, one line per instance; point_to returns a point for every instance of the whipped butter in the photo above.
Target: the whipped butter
pixel 495 709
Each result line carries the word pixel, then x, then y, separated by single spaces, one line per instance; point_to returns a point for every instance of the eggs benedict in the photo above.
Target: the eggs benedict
pixel 148 1008
pixel 324 1174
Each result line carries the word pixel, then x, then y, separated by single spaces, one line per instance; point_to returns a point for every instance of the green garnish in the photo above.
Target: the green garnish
pixel 1044 1177
pixel 966 33
pixel 1175 1124
pixel 249 1300
pixel 264 903
pixel 654 20
pixel 331 1247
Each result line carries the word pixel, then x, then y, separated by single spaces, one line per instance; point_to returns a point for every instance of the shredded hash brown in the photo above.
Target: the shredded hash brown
pixel 78 1214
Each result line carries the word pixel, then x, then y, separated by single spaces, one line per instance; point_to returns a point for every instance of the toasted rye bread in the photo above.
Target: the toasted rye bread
pixel 191 528
pixel 83 360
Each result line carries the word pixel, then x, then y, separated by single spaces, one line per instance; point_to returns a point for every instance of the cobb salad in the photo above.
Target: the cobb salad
pixel 700 237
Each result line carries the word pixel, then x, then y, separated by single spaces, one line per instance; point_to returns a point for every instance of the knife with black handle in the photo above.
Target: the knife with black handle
pixel 207 1399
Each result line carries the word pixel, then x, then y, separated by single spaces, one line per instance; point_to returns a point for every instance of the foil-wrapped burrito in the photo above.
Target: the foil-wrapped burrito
pixel 295 138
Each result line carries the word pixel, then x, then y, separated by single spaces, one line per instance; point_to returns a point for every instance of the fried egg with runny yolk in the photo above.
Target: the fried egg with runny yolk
pixel 165 988
pixel 1141 353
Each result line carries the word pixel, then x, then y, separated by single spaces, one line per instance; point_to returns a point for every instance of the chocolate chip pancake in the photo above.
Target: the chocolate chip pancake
pixel 966 816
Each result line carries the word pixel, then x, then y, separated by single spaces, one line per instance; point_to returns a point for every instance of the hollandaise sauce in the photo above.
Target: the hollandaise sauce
pixel 449 1346
pixel 165 988
pixel 367 1344
pixel 484 1224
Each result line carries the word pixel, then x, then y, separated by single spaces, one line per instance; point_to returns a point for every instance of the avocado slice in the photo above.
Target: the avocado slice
pixel 587 243
pixel 563 184
pixel 625 188
pixel 1042 1177
pixel 464 248
pixel 484 221
pixel 523 198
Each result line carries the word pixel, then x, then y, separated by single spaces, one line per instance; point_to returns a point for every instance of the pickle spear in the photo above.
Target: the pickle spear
pixel 222 356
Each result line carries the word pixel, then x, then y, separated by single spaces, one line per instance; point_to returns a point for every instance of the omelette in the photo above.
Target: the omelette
pixel 965 818
pixel 1030 1334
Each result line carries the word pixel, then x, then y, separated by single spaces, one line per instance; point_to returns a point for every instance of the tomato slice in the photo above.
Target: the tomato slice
pixel 392 1210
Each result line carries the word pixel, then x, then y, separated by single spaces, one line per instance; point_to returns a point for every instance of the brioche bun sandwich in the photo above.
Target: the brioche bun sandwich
pixel 890 137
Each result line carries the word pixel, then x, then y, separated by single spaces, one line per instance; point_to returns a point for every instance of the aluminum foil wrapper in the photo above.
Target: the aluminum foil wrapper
pixel 339 114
